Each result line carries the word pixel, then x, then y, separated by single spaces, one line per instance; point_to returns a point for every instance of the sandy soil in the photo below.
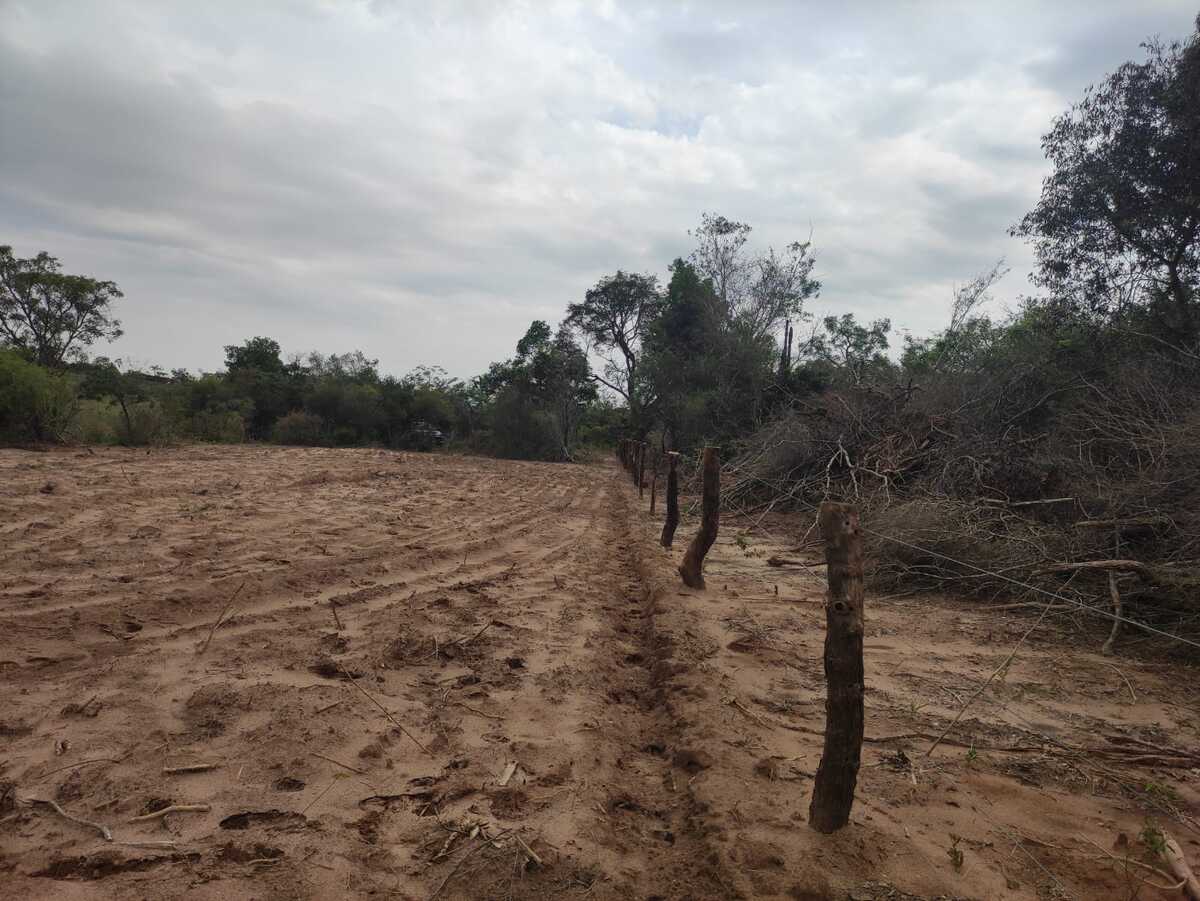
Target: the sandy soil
pixel 460 678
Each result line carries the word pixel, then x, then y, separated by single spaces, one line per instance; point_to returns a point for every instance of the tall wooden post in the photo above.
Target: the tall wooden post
pixel 691 570
pixel 672 523
pixel 833 788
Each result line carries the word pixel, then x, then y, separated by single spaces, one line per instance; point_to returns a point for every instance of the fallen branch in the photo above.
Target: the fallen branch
pixel 458 866
pixel 174 808
pixel 102 829
pixel 528 850
pixel 1179 866
pixel 190 768
pixel 463 642
pixel 477 712
pixel 386 712
pixel 784 561
pixel 213 630
pixel 1003 503
pixel 344 766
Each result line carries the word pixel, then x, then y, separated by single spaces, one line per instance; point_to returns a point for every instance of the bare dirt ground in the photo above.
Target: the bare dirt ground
pixel 460 678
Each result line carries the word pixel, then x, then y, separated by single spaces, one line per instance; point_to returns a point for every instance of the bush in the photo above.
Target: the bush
pixel 98 422
pixel 299 427
pixel 148 424
pixel 35 403
pixel 522 431
pixel 218 426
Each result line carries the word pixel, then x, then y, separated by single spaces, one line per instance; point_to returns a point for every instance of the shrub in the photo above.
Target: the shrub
pixel 522 431
pixel 299 427
pixel 98 422
pixel 218 426
pixel 35 403
pixel 148 424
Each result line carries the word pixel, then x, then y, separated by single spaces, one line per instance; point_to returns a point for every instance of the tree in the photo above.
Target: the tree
pixel 615 316
pixel 780 286
pixel 1118 223
pixel 762 292
pixel 562 378
pixel 51 316
pixel 853 348
pixel 706 372
pixel 258 353
pixel 256 371
pixel 112 378
pixel 718 257
pixel 538 398
pixel 35 403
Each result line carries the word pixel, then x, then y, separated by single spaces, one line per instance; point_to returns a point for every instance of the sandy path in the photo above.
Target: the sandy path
pixel 506 613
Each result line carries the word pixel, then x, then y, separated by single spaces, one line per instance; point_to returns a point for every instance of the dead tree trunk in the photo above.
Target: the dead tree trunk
pixel 691 570
pixel 672 523
pixel 833 788
pixel 641 469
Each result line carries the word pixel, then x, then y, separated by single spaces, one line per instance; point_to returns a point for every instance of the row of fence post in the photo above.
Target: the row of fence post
pixel 837 774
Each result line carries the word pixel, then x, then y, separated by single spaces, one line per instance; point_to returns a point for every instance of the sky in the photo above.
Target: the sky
pixel 421 180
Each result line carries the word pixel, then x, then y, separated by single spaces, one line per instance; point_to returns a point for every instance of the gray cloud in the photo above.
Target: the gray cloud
pixel 421 180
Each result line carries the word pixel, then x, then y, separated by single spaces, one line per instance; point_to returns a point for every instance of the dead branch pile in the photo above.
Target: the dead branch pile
pixel 1055 480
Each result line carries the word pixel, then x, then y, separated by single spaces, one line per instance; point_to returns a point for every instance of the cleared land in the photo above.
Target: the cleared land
pixel 506 613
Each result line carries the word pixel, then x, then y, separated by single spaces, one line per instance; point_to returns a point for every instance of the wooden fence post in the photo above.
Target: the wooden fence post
pixel 691 570
pixel 672 523
pixel 833 788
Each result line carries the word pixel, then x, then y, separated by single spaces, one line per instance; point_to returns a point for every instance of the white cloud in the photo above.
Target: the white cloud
pixel 421 180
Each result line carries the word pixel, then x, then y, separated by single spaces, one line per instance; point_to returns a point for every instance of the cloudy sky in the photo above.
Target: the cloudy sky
pixel 419 180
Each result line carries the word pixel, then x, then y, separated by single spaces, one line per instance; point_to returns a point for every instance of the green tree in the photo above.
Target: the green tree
pixel 545 388
pixel 262 354
pixel 856 350
pixel 707 372
pixel 36 403
pixel 51 316
pixel 256 372
pixel 614 317
pixel 110 378
pixel 1118 222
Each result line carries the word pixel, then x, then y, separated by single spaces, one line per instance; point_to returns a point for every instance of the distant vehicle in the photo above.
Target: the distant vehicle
pixel 423 436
